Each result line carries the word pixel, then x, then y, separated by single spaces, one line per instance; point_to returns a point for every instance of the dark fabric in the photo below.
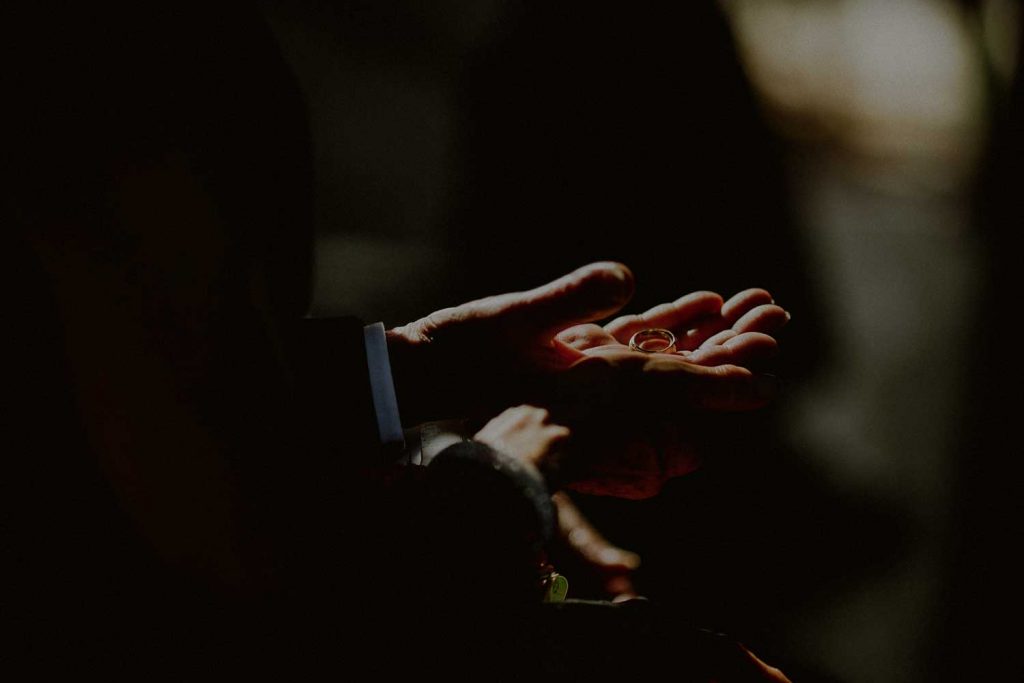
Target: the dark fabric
pixel 489 515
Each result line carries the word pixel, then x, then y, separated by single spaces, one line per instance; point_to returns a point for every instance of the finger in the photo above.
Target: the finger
pixel 614 564
pixel 766 318
pixel 678 316
pixel 534 420
pixel 554 434
pixel 720 338
pixel 581 536
pixel 527 416
pixel 739 304
pixel 737 349
pixel 764 671
pixel 742 349
pixel 729 660
pixel 752 346
pixel 698 335
pixel 587 294
pixel 620 588
pixel 523 433
pixel 583 337
pixel 511 418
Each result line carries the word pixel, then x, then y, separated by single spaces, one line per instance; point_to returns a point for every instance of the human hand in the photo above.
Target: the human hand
pixel 581 547
pixel 730 337
pixel 527 434
pixel 493 352
pixel 537 347
pixel 524 433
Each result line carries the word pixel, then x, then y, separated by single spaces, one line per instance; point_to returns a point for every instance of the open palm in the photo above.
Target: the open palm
pixel 714 338
pixel 633 415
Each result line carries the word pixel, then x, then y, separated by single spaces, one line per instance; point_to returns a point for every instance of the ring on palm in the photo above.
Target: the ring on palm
pixel 654 340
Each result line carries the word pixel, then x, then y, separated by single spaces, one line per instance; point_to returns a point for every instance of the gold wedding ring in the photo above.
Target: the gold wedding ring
pixel 654 340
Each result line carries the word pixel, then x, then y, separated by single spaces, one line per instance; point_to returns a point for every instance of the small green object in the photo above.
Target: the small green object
pixel 558 588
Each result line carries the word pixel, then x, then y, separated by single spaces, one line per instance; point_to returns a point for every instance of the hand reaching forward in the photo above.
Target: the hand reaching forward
pixel 476 358
pixel 626 407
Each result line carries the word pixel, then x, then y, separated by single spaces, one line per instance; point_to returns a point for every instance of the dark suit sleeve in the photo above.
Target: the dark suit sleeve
pixel 491 514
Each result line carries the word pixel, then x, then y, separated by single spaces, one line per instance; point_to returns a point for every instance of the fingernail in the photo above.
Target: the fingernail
pixel 766 387
pixel 788 317
pixel 619 272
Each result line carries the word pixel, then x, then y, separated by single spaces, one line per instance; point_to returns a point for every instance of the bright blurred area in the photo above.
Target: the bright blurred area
pixel 894 90
pixel 884 108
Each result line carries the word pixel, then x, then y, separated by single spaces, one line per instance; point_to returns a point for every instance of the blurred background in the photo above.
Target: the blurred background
pixel 859 158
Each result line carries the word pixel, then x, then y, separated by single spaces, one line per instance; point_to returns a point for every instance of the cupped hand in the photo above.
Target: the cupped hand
pixel 708 330
pixel 719 343
pixel 634 413
pixel 642 419
pixel 478 357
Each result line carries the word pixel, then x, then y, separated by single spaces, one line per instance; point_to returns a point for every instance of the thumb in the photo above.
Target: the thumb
pixel 587 294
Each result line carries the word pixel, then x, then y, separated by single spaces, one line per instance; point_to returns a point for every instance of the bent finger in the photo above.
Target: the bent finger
pixel 705 330
pixel 677 316
pixel 720 338
pixel 766 318
pixel 738 304
pixel 738 349
pixel 587 294
pixel 584 539
pixel 587 336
